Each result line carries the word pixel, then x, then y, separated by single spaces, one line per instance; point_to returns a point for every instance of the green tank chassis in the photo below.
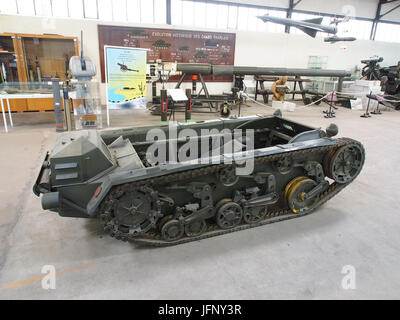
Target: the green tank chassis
pixel 106 175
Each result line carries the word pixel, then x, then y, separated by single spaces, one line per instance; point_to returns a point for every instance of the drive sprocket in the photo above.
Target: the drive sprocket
pixel 130 210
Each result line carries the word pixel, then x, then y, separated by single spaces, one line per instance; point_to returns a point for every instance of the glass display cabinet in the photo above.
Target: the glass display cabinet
pixel 8 62
pixel 86 103
pixel 34 58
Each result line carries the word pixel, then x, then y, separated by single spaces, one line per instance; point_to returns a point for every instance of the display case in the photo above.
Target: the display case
pixel 8 60
pixel 35 58
pixel 86 103
pixel 47 57
pixel 27 96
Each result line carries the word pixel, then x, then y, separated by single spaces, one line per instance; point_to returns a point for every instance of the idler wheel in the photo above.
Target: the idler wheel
pixel 195 228
pixel 254 215
pixel 172 230
pixel 345 163
pixel 295 194
pixel 229 215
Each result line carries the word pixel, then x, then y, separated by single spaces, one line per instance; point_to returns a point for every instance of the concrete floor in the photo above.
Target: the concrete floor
pixel 301 258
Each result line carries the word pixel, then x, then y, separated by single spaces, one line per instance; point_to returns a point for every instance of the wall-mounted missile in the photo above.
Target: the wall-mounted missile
pixel 309 26
pixel 222 70
pixel 337 39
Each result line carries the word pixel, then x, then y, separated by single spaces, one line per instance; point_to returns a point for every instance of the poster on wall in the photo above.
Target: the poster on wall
pixel 125 77
pixel 173 45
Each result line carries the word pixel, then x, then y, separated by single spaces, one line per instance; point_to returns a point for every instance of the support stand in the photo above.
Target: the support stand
pixel 367 114
pixel 188 109
pixel 377 110
pixel 203 88
pixel 172 112
pixel 67 109
pixel 164 105
pixel 303 93
pixel 153 91
pixel 194 83
pixel 57 105
pixel 330 113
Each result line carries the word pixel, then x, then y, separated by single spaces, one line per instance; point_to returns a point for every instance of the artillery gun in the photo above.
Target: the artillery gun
pixel 111 175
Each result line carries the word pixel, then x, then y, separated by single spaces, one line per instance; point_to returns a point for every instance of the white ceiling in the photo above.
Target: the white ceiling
pixel 358 8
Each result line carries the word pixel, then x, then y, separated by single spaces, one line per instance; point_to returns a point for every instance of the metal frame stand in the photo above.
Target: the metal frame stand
pixel 188 109
pixel 264 94
pixel 153 91
pixel 377 110
pixel 172 113
pixel 366 114
pixel 203 88
pixel 67 109
pixel 303 93
pixel 330 113
pixel 239 107
pixel 164 105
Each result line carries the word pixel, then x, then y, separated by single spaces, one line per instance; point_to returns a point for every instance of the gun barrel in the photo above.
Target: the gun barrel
pixel 195 68
pixel 222 70
pixel 366 61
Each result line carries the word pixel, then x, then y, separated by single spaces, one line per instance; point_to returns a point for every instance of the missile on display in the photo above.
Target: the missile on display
pixel 337 39
pixel 223 70
pixel 309 26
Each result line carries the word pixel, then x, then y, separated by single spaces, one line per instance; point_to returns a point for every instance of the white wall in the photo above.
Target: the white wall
pixel 293 50
pixel 252 48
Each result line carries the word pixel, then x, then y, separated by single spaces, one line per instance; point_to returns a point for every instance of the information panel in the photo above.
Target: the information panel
pixel 125 77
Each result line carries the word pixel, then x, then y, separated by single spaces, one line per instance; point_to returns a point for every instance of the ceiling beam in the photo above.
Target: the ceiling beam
pixel 389 11
pixel 296 3
pixel 289 14
pixel 168 11
pixel 379 15
pixel 376 19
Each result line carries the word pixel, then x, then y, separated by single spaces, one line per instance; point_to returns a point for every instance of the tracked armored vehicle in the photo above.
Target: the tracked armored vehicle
pixel 110 175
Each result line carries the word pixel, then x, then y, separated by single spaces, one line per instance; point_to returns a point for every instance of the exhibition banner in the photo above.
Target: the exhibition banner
pixel 172 45
pixel 125 77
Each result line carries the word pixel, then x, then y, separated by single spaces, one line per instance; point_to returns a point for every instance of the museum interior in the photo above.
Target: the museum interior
pixel 178 149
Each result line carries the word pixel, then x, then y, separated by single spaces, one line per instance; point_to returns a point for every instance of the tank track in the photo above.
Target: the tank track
pixel 154 239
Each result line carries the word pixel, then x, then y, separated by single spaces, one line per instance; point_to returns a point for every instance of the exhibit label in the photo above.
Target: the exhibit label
pixel 125 77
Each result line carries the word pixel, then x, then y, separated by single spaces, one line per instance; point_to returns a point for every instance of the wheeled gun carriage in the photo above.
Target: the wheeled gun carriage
pixel 108 175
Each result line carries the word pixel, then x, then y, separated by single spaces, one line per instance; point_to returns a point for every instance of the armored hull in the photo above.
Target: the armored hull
pixel 218 176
